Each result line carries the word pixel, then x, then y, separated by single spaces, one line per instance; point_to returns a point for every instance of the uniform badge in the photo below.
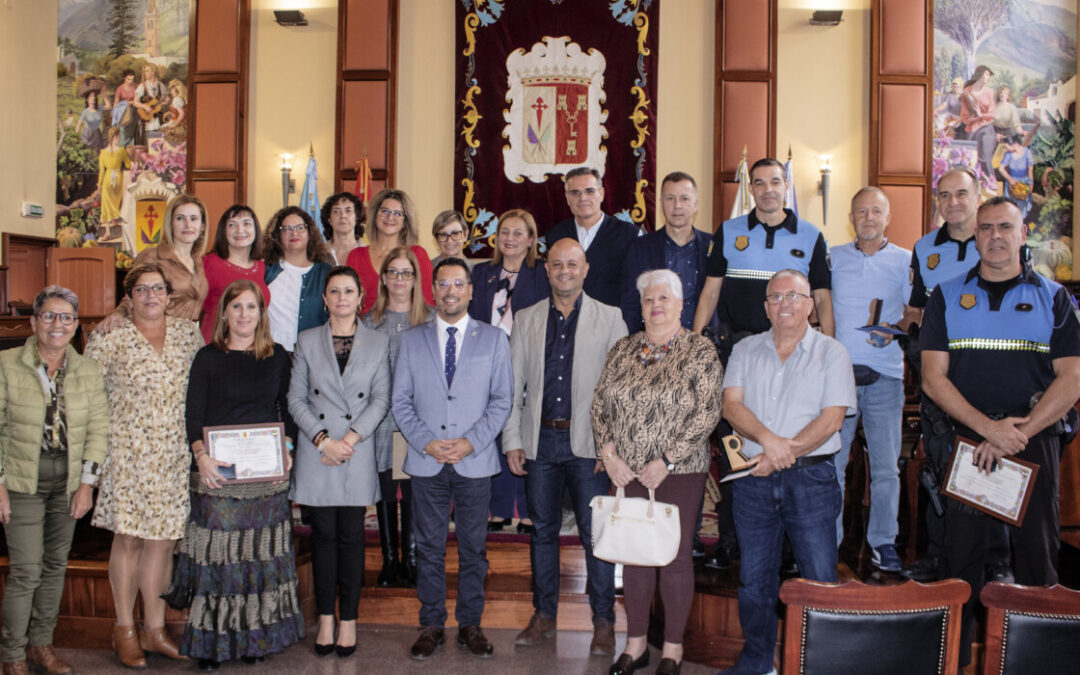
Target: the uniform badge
pixel 798 253
pixel 933 260
pixel 1024 307
pixel 967 300
pixel 741 242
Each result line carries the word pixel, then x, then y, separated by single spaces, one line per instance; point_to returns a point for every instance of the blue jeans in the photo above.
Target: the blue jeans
pixel 803 502
pixel 881 407
pixel 507 491
pixel 554 466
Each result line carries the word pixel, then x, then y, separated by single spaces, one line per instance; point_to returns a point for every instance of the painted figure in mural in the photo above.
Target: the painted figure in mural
pixel 150 99
pixel 950 109
pixel 175 128
pixel 977 113
pixel 123 116
pixel 1007 115
pixel 89 124
pixel 113 160
pixel 1018 169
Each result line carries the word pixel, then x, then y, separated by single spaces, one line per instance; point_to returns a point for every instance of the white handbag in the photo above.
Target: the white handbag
pixel 634 531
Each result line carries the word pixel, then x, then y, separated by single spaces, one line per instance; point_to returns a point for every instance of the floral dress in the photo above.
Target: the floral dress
pixel 144 482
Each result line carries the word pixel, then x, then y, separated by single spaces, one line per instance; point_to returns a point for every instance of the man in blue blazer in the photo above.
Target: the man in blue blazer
pixel 604 238
pixel 453 386
pixel 678 247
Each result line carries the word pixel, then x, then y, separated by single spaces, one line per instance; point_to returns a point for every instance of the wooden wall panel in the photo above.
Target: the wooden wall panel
pixel 24 257
pixel 366 89
pixel 218 195
pixel 745 92
pixel 900 106
pixel 90 272
pixel 218 66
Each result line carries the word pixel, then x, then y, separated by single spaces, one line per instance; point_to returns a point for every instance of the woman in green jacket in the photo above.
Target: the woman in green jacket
pixel 54 419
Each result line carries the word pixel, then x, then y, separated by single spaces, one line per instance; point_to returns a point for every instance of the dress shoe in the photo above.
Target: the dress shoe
pixel 126 643
pixel 698 551
pixel 496 525
pixel 208 664
pixel 718 559
pixel 472 638
pixel 923 569
pixel 431 638
pixel 626 664
pixel 540 627
pixel 43 659
pixel 158 641
pixel 323 650
pixel 603 639
pixel 15 668
pixel 252 660
pixel 667 667
pixel 525 528
pixel 1000 572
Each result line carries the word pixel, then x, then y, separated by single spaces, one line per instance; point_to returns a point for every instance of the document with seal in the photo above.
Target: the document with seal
pixel 255 452
pixel 1003 493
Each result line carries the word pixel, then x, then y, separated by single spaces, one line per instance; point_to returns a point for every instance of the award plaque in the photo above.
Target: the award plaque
pixel 1003 493
pixel 732 445
pixel 254 452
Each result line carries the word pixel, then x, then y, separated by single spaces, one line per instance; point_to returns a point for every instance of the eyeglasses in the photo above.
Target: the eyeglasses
pixel 447 236
pixel 790 296
pixel 399 274
pixel 143 289
pixel 587 192
pixel 445 284
pixel 390 213
pixel 294 229
pixel 66 318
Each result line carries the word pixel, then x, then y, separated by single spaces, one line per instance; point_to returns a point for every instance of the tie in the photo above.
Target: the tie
pixel 451 354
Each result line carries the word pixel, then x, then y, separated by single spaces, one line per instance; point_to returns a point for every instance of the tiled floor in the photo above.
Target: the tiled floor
pixel 385 650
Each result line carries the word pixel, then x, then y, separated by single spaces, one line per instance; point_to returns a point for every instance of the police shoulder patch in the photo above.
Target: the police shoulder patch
pixel 967 300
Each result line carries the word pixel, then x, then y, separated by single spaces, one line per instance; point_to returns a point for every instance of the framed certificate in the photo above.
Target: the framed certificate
pixel 1003 493
pixel 256 452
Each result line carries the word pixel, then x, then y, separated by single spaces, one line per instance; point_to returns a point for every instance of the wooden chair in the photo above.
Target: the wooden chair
pixel 854 628
pixel 1031 629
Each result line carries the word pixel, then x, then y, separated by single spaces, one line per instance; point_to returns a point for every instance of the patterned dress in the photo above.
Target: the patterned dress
pixel 144 483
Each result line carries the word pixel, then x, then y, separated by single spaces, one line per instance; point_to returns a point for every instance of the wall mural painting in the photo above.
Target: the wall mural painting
pixel 121 94
pixel 544 86
pixel 1005 106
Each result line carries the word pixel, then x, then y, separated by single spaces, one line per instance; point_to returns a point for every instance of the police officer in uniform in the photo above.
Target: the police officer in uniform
pixel 744 254
pixel 1001 356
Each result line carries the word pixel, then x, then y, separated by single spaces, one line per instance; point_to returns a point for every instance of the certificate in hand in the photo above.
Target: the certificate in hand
pixel 256 452
pixel 1003 493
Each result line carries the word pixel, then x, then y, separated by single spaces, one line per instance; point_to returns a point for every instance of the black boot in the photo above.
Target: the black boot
pixel 408 544
pixel 386 512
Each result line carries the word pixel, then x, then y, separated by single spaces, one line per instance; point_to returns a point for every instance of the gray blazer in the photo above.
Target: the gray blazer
pixel 322 398
pixel 599 327
pixel 474 407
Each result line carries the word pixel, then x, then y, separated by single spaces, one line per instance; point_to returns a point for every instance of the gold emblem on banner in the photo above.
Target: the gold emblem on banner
pixel 967 300
pixel 933 260
pixel 741 242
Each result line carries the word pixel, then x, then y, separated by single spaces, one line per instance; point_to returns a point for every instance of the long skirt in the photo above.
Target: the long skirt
pixel 237 555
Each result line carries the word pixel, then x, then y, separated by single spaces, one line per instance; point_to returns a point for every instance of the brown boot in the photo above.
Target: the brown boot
pixel 126 644
pixel 16 668
pixel 44 659
pixel 540 628
pixel 158 641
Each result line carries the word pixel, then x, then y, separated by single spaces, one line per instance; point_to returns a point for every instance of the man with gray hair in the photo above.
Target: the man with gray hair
pixel 786 392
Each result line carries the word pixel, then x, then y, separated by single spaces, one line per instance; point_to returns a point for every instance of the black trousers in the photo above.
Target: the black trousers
pixel 337 558
pixel 1036 543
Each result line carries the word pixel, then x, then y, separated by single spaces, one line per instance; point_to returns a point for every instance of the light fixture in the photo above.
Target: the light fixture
pixel 826 17
pixel 823 187
pixel 289 17
pixel 288 185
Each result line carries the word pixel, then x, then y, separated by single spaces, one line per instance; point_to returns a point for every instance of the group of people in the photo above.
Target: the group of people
pixel 510 383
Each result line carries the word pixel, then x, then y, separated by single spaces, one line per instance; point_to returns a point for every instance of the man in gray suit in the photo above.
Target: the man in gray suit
pixel 558 349
pixel 452 393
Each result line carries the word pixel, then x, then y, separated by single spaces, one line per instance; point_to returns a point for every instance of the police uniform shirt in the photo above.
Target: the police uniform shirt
pixel 746 253
pixel 1002 338
pixel 858 280
pixel 935 258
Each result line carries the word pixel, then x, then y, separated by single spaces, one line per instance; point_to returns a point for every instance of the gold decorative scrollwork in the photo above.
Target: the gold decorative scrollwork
pixel 641 20
pixel 468 209
pixel 638 117
pixel 638 212
pixel 472 22
pixel 471 117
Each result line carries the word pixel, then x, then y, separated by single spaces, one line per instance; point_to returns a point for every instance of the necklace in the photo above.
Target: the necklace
pixel 650 353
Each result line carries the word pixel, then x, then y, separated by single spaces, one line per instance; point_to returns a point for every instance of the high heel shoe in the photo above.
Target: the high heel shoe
pixel 344 652
pixel 323 650
pixel 208 664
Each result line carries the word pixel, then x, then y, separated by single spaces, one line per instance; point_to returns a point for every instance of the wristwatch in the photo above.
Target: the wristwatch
pixel 667 462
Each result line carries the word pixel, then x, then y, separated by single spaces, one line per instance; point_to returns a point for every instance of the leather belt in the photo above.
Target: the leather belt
pixel 556 423
pixel 813 459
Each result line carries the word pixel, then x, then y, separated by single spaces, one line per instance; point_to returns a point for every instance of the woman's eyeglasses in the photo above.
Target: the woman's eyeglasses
pixel 66 318
pixel 399 274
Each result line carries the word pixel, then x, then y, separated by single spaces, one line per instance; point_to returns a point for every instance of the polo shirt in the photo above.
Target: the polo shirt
pixel 935 258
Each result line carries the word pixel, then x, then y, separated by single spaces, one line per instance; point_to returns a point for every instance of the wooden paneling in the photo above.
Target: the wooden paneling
pixel 24 257
pixel 218 195
pixel 90 272
pixel 745 92
pixel 217 145
pixel 366 89
pixel 900 107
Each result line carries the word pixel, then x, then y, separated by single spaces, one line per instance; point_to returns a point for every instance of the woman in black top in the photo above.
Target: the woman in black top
pixel 237 553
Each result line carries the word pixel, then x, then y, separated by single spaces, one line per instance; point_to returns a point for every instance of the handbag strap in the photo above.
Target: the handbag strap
pixel 621 492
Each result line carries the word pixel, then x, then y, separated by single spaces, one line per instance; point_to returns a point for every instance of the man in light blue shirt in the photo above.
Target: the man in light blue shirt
pixel 871 285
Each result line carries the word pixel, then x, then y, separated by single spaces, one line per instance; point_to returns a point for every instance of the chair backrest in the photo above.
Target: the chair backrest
pixel 854 628
pixel 1031 629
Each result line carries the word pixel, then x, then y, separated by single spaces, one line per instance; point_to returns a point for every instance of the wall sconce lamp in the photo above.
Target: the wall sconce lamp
pixel 288 185
pixel 823 187
pixel 826 17
pixel 289 17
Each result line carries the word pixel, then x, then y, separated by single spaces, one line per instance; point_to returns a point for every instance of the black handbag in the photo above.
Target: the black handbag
pixel 179 595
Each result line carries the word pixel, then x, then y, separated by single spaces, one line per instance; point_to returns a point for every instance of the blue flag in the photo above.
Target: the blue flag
pixel 790 197
pixel 309 199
